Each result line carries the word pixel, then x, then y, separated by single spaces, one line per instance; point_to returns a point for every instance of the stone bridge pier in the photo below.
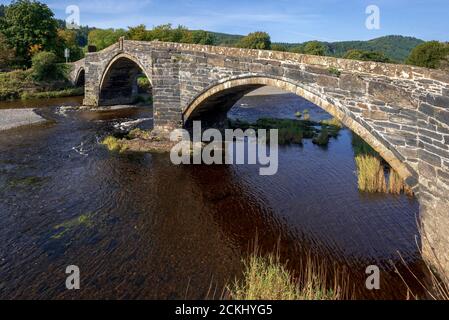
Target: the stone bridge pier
pixel 401 111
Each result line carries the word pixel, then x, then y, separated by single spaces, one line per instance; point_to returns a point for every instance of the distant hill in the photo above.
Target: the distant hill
pixel 226 39
pixel 397 48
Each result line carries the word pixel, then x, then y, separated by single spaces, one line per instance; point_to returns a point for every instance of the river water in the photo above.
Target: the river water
pixel 139 227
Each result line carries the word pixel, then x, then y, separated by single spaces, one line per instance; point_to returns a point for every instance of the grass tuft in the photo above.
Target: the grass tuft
pixel 371 176
pixel 266 278
pixel 114 144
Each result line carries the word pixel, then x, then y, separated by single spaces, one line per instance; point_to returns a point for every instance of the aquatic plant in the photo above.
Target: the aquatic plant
pixel 114 144
pixel 266 278
pixel 370 172
pixel 138 133
pixel 306 115
pixel 63 228
pixel 334 122
pixel 322 139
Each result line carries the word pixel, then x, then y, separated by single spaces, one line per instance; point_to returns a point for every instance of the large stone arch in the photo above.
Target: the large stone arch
pixel 219 98
pixel 118 84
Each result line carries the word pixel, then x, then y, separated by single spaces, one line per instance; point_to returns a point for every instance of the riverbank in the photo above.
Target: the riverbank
pixel 14 118
pixel 20 85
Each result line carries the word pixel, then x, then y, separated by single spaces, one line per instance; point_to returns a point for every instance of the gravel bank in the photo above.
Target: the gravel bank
pixel 13 118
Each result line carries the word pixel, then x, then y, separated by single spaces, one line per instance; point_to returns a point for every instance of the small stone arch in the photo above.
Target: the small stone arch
pixel 225 94
pixel 118 83
pixel 80 78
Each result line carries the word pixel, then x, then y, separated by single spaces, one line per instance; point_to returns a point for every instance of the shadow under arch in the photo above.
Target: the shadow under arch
pixel 118 84
pixel 80 78
pixel 218 99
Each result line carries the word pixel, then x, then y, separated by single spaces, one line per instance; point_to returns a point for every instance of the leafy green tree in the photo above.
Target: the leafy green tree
pixel 297 49
pixel 29 23
pixel 279 47
pixel 45 66
pixel 366 56
pixel 2 10
pixel 431 54
pixel 7 54
pixel 68 39
pixel 162 33
pixel 256 40
pixel 315 48
pixel 105 38
pixel 138 33
pixel 203 37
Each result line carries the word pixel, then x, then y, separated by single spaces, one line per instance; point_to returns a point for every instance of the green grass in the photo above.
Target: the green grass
pixel 20 84
pixel 335 72
pixel 294 131
pixel 323 138
pixel 70 92
pixel 266 278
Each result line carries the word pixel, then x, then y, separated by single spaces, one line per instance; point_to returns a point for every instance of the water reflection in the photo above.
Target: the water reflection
pixel 140 227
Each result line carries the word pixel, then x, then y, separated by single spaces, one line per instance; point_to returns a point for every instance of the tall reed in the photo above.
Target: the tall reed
pixel 370 172
pixel 266 278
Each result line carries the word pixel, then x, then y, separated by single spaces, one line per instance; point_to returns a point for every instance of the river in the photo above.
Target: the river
pixel 139 227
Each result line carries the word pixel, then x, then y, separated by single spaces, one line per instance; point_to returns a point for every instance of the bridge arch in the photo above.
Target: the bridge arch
pixel 80 78
pixel 118 83
pixel 221 97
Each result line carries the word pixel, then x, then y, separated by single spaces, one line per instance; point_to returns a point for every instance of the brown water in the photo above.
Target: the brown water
pixel 152 230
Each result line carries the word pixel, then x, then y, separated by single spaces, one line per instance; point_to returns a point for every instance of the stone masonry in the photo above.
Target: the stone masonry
pixel 401 111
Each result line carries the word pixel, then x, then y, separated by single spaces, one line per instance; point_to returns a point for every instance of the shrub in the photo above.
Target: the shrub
pixel 315 48
pixel 431 54
pixel 279 47
pixel 256 40
pixel 45 66
pixel 363 55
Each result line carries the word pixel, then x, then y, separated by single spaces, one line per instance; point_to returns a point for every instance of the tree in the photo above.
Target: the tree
pixel 68 39
pixel 203 37
pixel 7 54
pixel 256 40
pixel 45 66
pixel 29 23
pixel 432 54
pixel 2 10
pixel 366 56
pixel 279 47
pixel 105 38
pixel 138 33
pixel 162 33
pixel 315 48
pixel 297 49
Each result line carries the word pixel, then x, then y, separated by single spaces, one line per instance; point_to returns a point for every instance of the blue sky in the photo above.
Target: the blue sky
pixel 285 20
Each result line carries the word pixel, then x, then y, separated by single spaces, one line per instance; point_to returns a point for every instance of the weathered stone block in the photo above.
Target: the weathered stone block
pixel 391 95
pixel 352 83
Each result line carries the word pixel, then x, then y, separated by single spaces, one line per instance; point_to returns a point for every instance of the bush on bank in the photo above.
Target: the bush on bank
pixel 45 80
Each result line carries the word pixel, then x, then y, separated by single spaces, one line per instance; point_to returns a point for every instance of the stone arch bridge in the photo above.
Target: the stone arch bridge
pixel 401 111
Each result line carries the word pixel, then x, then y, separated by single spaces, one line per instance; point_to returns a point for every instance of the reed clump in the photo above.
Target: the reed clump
pixel 370 172
pixel 266 278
